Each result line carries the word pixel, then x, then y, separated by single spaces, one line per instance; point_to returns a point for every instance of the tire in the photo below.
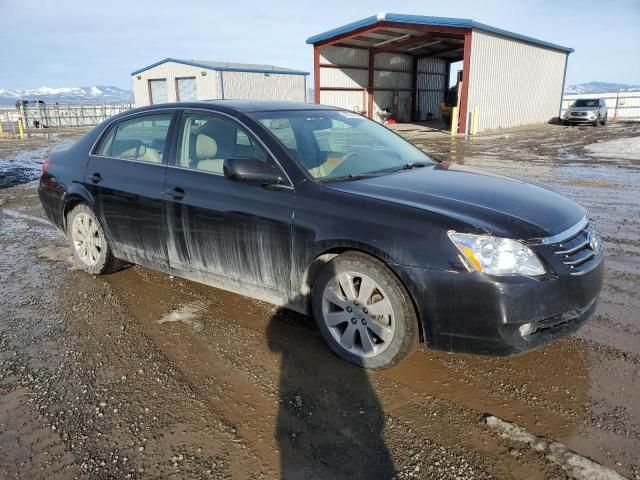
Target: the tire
pixel 566 123
pixel 597 122
pixel 604 121
pixel 345 318
pixel 89 243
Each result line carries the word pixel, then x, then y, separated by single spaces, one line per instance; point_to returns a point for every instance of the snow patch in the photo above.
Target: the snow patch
pixel 579 467
pixel 627 148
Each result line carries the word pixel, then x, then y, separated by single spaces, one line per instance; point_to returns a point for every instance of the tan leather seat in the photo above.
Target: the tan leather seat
pixel 142 153
pixel 206 151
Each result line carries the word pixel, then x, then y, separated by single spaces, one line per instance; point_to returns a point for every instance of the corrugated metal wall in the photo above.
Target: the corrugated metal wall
pixel 236 85
pixel 392 79
pixel 264 86
pixel 512 82
pixel 431 86
pixel 345 77
pixel 207 86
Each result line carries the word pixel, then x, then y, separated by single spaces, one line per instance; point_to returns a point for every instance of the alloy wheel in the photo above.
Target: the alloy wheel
pixel 358 314
pixel 86 239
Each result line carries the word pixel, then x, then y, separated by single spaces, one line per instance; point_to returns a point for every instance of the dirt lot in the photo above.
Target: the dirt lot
pixel 142 375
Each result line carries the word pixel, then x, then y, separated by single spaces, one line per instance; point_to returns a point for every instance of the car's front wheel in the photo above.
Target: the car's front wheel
pixel 604 120
pixel 363 311
pixel 90 246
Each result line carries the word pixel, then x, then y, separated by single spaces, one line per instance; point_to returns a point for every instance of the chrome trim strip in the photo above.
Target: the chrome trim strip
pixel 573 250
pixel 580 261
pixel 568 233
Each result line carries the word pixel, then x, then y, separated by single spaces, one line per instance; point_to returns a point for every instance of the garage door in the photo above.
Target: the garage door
pixel 186 89
pixel 158 90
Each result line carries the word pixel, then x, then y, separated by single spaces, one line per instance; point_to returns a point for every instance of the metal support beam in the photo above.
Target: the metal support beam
pixel 464 94
pixel 316 74
pixel 414 96
pixel 404 42
pixel 370 88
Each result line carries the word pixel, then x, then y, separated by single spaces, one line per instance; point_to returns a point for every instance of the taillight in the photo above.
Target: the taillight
pixel 46 163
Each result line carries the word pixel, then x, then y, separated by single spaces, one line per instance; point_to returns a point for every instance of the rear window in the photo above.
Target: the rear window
pixel 142 139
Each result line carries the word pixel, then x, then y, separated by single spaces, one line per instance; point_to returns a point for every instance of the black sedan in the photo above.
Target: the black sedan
pixel 328 213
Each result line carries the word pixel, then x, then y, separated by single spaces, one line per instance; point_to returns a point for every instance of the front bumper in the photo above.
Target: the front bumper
pixel 477 313
pixel 580 119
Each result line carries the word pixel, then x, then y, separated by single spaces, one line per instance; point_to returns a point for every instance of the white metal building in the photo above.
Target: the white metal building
pixel 175 80
pixel 403 63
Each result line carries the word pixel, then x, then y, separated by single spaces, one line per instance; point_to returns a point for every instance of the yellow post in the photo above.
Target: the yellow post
pixel 454 120
pixel 474 121
pixel 1 131
pixel 20 129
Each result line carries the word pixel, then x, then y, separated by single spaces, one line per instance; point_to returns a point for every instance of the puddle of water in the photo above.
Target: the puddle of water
pixel 55 253
pixel 190 315
pixel 22 167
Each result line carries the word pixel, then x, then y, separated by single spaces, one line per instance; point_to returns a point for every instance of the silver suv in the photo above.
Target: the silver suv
pixel 587 110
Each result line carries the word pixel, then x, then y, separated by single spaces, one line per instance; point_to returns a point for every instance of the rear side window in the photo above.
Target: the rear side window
pixel 142 139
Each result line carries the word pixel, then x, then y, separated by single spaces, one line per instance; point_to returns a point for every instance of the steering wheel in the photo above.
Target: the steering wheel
pixel 341 170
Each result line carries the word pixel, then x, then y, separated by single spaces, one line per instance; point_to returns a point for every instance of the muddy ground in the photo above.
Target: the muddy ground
pixel 143 375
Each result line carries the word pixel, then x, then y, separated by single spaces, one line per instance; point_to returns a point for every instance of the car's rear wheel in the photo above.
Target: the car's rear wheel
pixel 363 311
pixel 90 246
pixel 604 120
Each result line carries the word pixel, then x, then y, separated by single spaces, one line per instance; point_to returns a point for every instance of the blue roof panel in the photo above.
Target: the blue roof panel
pixel 432 21
pixel 226 67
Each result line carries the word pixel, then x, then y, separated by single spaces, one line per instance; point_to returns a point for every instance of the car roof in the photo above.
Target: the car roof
pixel 244 106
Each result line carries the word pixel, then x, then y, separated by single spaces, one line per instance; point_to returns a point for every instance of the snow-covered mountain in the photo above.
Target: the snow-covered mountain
pixel 600 87
pixel 96 94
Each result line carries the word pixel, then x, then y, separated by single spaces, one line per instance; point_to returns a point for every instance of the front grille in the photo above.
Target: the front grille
pixel 579 114
pixel 581 251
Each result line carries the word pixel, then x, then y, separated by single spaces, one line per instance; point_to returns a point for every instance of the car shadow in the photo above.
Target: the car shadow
pixel 330 422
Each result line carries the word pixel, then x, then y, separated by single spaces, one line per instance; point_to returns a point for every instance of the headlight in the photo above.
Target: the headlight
pixel 497 256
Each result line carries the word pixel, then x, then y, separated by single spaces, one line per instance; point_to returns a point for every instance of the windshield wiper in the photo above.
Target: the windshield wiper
pixel 348 178
pixel 412 165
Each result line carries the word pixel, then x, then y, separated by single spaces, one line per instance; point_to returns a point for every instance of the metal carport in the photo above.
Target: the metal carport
pixel 407 58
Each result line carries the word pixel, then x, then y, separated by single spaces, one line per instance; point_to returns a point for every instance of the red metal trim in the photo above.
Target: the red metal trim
pixel 370 89
pixel 464 95
pixel 316 74
pixel 350 67
pixel 414 96
pixel 447 79
pixel 340 89
pixel 356 89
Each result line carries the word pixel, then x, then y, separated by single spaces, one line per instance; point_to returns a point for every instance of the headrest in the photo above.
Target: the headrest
pixel 134 152
pixel 206 147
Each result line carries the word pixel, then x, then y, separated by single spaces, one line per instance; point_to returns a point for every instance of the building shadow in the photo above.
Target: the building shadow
pixel 330 423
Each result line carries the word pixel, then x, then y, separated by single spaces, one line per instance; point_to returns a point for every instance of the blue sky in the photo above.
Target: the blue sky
pixel 84 42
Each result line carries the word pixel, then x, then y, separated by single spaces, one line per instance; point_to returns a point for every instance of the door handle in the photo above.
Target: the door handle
pixel 95 178
pixel 177 193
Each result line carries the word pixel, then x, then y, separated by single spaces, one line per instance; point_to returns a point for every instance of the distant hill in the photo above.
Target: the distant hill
pixel 600 87
pixel 93 95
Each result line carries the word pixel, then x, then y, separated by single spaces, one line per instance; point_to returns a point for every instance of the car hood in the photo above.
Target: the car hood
pixel 495 203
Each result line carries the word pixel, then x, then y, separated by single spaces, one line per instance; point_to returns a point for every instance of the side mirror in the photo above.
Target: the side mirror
pixel 251 170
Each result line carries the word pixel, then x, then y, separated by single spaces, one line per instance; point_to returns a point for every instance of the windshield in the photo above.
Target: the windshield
pixel 587 103
pixel 332 144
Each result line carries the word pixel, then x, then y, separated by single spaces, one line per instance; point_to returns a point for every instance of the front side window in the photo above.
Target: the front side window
pixel 142 139
pixel 332 144
pixel 158 91
pixel 205 141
